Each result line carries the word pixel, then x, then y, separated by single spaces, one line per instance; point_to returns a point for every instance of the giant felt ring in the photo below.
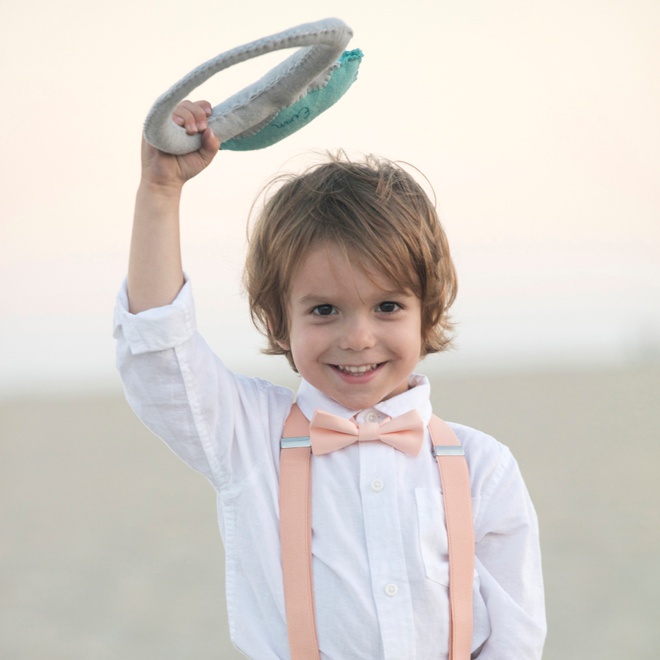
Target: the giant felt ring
pixel 244 114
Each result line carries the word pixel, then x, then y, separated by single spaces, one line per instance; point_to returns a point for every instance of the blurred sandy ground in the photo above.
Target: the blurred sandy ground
pixel 109 545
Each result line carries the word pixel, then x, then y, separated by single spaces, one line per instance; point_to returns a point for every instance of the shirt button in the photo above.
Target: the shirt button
pixel 391 589
pixel 377 485
pixel 371 417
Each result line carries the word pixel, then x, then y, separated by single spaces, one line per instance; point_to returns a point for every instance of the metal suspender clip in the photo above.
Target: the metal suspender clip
pixel 448 450
pixel 300 441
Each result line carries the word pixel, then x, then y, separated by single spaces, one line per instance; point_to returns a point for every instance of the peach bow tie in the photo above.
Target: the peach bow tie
pixel 328 432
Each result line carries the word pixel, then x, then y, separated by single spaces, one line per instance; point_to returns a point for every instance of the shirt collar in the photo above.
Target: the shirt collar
pixel 416 398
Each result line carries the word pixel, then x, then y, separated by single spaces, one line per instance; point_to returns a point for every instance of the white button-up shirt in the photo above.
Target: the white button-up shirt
pixel 379 540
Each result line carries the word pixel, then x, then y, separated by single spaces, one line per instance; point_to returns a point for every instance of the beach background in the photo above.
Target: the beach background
pixel 536 124
pixel 110 547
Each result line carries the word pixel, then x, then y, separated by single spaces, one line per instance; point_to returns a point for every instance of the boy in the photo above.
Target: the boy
pixel 349 275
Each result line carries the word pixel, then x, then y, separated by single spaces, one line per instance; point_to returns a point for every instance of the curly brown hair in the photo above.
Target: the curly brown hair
pixel 375 211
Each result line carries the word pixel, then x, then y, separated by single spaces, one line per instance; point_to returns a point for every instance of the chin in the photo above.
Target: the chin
pixel 358 402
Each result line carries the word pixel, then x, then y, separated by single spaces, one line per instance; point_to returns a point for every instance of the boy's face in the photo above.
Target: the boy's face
pixel 353 334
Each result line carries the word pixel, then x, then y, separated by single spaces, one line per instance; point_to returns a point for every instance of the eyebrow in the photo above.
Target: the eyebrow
pixel 311 298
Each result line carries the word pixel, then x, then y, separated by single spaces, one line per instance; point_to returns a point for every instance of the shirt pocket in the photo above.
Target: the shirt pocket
pixel 432 533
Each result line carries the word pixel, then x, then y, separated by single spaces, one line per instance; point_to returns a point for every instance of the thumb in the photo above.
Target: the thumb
pixel 210 145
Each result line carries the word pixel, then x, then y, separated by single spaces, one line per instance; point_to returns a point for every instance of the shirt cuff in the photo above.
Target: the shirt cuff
pixel 159 328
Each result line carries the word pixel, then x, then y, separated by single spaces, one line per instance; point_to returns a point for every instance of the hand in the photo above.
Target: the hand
pixel 171 172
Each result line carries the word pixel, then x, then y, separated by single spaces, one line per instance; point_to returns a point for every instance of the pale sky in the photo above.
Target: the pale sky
pixel 535 121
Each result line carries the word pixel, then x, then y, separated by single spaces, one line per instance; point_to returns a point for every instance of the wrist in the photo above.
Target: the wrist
pixel 170 191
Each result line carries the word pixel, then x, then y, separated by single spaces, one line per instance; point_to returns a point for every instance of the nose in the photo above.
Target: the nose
pixel 357 335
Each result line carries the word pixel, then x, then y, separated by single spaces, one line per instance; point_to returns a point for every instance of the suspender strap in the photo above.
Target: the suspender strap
pixel 460 534
pixel 296 537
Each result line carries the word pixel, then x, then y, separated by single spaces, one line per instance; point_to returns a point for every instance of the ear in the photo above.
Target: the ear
pixel 285 346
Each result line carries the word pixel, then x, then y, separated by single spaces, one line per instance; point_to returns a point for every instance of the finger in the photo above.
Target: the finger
pixel 201 110
pixel 191 116
pixel 185 118
pixel 206 106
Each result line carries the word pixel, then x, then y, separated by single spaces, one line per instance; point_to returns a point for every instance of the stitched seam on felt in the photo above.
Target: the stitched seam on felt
pixel 266 88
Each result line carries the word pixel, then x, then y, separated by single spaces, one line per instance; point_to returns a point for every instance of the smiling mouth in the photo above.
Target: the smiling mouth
pixel 357 370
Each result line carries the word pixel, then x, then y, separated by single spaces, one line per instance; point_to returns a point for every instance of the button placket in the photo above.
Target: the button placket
pixel 384 541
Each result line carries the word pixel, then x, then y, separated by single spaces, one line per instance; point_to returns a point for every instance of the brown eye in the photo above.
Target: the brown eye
pixel 323 310
pixel 388 307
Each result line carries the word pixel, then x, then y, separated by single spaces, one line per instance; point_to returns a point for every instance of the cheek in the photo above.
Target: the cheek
pixel 413 337
pixel 307 342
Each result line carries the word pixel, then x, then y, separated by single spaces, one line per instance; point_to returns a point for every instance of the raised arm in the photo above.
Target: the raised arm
pixel 155 273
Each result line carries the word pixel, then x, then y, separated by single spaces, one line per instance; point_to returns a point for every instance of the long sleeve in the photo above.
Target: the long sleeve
pixel 508 562
pixel 181 390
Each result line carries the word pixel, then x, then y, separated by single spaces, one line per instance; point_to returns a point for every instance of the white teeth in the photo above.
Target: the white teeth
pixel 356 370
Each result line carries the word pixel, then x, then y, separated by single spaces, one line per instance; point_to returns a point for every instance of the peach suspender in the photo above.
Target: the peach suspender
pixel 296 535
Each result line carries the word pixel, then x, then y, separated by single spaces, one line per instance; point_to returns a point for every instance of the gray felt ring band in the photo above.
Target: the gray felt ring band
pixel 319 45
